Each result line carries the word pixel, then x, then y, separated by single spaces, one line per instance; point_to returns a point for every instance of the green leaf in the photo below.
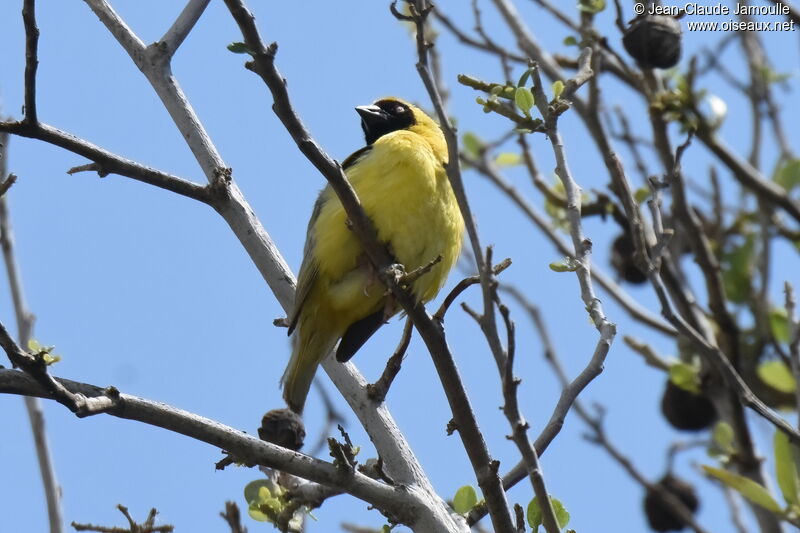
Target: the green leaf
pixel 473 145
pixel 777 375
pixel 746 487
pixel 523 97
pixel 562 515
pixel 508 159
pixel 771 76
pixel 465 499
pixel 685 376
pixel 738 264
pixel 253 492
pixel 723 437
pixel 555 211
pixel 386 529
pixel 567 265
pixel 592 6
pixel 45 352
pixel 535 513
pixel 779 323
pixel 788 174
pixel 50 358
pixel 570 41
pixel 641 194
pixel 524 78
pixel 238 48
pixel 786 469
pixel 271 506
pixel 256 514
pixel 558 88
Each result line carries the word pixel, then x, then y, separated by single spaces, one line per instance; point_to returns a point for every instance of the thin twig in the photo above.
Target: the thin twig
pixel 232 516
pixel 705 258
pixel 463 285
pixel 471 436
pixel 794 340
pixel 519 431
pixel 569 392
pixel 6 183
pixel 599 437
pixel 148 526
pixel 25 320
pixel 420 10
pixel 745 174
pixel 613 289
pixel 474 43
pixel 31 59
pixel 333 418
pixel 647 352
pixel 731 497
pixel 377 391
pixel 582 245
pixel 107 162
pixel 35 365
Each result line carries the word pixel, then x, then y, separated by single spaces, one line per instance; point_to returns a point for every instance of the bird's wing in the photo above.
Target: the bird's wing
pixel 353 158
pixel 309 268
pixel 357 334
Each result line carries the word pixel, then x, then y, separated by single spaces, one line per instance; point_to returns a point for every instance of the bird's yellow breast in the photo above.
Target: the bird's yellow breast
pixel 403 188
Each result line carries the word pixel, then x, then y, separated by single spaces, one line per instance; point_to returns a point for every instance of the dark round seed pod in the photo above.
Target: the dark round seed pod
pixel 686 410
pixel 283 427
pixel 660 515
pixel 654 41
pixel 622 260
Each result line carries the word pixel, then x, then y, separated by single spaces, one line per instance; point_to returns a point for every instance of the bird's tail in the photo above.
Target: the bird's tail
pixel 310 348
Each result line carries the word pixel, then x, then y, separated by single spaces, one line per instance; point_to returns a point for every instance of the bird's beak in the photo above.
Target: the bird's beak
pixel 372 115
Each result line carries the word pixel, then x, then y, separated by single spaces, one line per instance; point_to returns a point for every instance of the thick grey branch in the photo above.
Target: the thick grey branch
pixel 243 446
pixel 182 26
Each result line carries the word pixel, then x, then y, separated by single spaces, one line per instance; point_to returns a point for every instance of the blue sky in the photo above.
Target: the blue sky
pixel 152 293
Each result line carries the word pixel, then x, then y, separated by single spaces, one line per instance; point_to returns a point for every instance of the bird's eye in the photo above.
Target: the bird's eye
pixel 399 110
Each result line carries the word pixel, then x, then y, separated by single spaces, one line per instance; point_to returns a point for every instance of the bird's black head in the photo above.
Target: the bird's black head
pixel 385 116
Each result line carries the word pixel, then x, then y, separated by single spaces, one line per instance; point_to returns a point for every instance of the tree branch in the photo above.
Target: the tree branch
pixel 25 320
pixel 182 26
pixel 519 433
pixel 31 59
pixel 599 437
pixel 107 162
pixel 613 289
pixel 377 391
pixel 749 177
pixel 398 502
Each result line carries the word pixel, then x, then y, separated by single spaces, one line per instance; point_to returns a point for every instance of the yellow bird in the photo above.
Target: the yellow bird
pixel 399 177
